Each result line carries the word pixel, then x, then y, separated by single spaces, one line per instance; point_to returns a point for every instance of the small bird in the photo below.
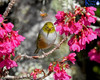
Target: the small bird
pixel 46 37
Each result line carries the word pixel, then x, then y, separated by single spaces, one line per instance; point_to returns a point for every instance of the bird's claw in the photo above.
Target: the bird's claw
pixel 44 53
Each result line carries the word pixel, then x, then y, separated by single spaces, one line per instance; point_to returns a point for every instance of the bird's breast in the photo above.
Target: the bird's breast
pixel 46 40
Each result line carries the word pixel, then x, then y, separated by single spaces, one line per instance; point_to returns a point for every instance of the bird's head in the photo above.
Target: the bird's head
pixel 48 27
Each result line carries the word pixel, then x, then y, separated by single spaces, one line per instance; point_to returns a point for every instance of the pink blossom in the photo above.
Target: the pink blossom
pixel 84 21
pixel 98 31
pixel 2 32
pixel 83 39
pixel 66 27
pixel 6 48
pixel 63 76
pixel 50 67
pixel 82 46
pixel 82 42
pixel 79 43
pixel 8 63
pixel 8 26
pixel 9 39
pixel 74 45
pixel 75 28
pixel 71 57
pixel 60 74
pixel 91 10
pixel 60 15
pixel 91 35
pixel 69 27
pixel 87 35
pixel 16 38
pixel 91 19
pixel 59 29
pixel 20 38
pixel 57 70
pixel 34 75
pixel 71 41
pixel 94 55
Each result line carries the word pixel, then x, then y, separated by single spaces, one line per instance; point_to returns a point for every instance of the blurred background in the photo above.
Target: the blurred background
pixel 25 15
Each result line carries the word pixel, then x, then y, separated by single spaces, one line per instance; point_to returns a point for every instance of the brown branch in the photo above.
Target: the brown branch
pixel 17 77
pixel 41 78
pixel 25 77
pixel 41 56
pixel 5 14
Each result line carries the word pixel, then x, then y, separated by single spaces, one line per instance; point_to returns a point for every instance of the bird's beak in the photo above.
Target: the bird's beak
pixel 48 32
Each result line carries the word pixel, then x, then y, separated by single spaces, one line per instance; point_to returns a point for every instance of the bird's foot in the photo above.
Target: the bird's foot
pixel 44 53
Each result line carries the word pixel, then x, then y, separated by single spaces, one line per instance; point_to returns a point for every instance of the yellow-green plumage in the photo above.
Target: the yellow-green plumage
pixel 46 37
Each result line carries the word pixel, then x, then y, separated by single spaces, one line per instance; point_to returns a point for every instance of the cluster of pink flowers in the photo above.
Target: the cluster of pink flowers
pixel 82 34
pixel 60 73
pixel 58 68
pixel 94 53
pixel 70 57
pixel 35 73
pixel 9 40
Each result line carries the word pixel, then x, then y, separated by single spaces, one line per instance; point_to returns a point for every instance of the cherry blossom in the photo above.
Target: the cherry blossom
pixel 94 55
pixel 60 74
pixel 9 40
pixel 82 34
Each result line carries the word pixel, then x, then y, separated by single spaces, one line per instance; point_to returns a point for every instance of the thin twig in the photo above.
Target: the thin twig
pixel 5 14
pixel 41 78
pixel 25 77
pixel 41 56
pixel 17 77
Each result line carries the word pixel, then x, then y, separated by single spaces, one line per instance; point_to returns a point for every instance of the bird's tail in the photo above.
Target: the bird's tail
pixel 36 51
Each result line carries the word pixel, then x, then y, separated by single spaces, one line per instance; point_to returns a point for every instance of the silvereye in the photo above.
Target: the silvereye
pixel 47 36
